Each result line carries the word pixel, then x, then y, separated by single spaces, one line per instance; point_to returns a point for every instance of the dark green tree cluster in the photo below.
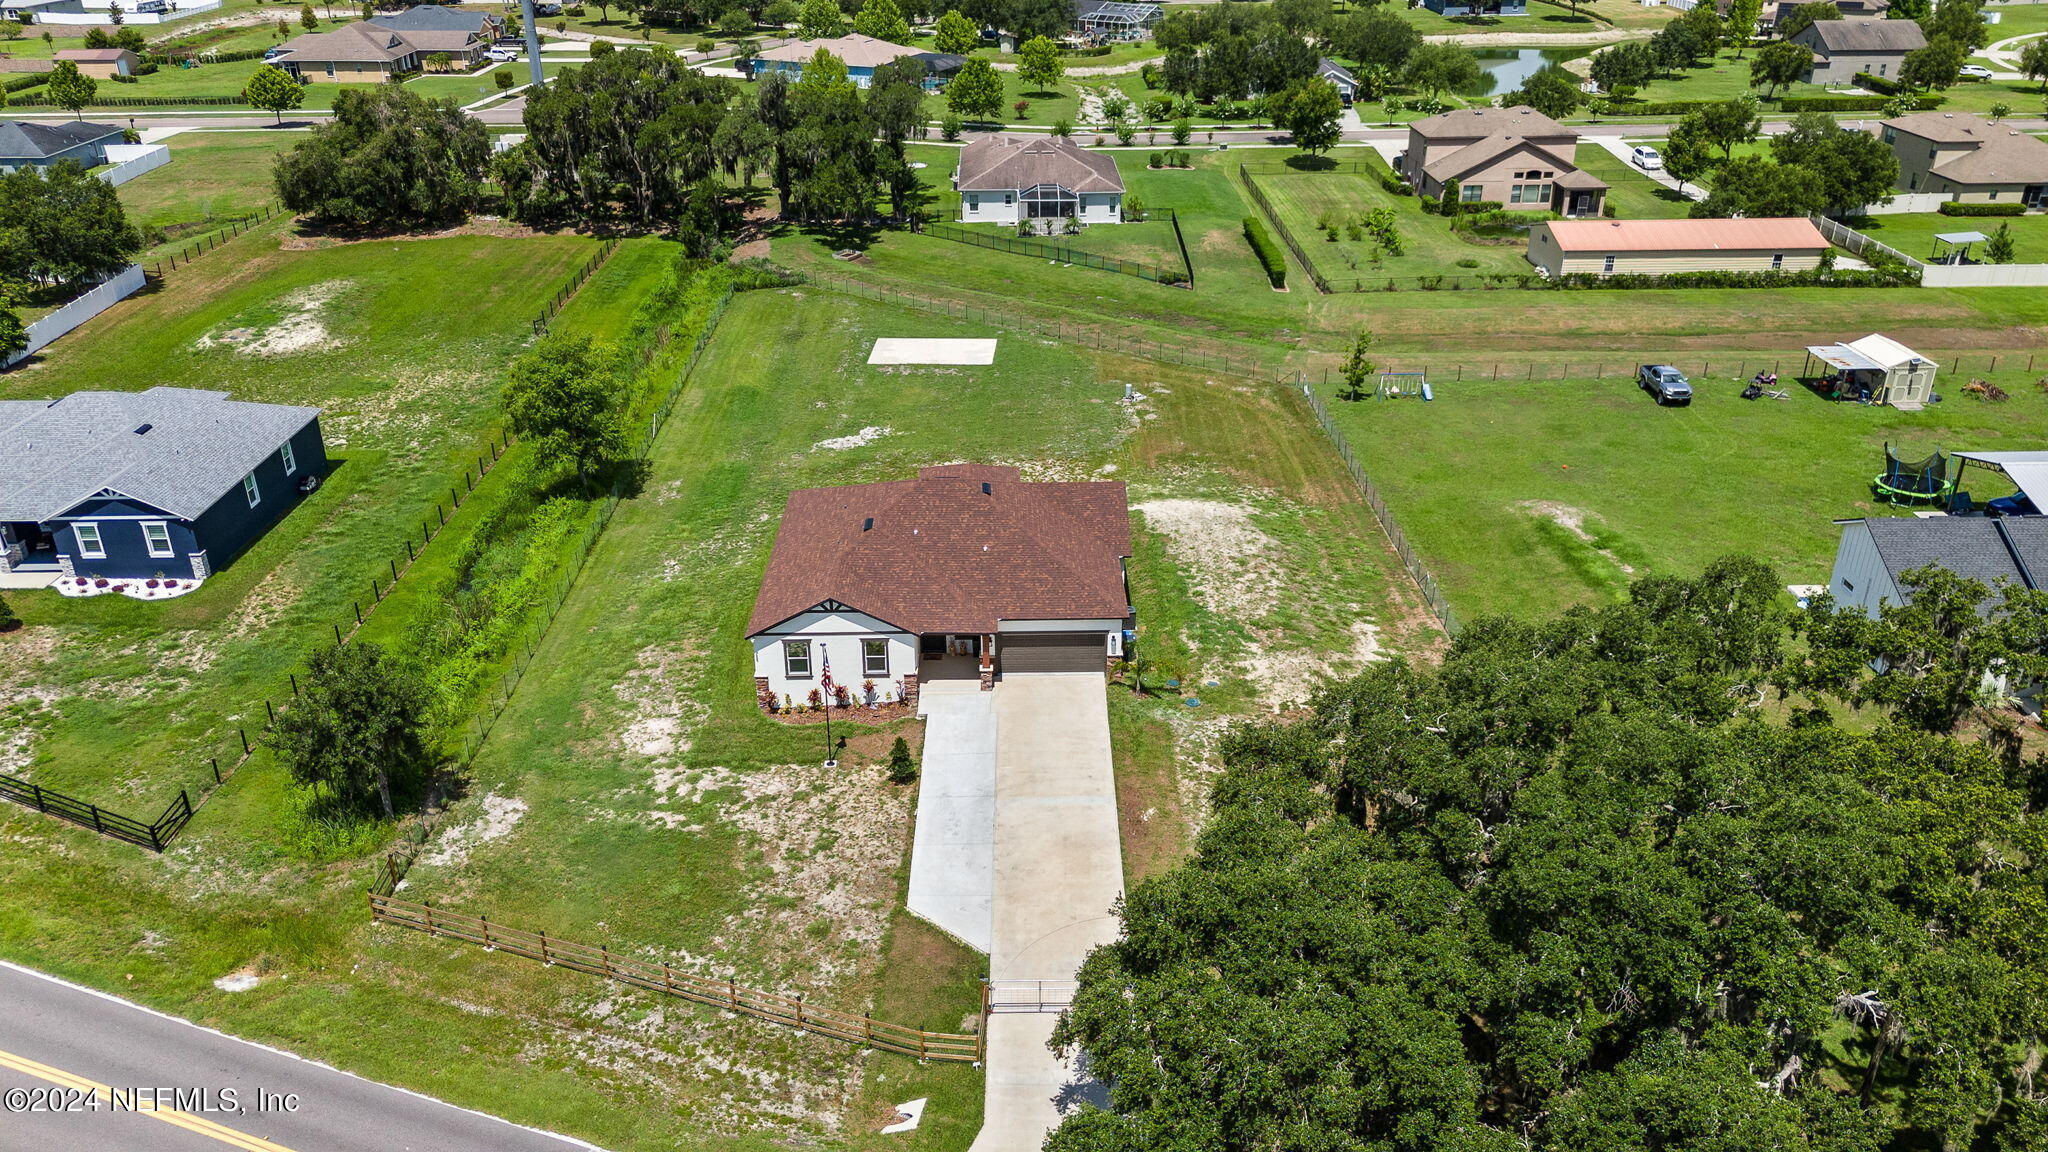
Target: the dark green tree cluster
pixel 563 396
pixel 61 225
pixel 1023 18
pixel 1577 890
pixel 357 730
pixel 1816 165
pixel 386 159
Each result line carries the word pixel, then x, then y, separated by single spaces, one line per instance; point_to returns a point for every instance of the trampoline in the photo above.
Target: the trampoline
pixel 1913 481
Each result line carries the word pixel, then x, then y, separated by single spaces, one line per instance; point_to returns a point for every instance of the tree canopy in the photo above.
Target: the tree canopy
pixel 61 225
pixel 273 90
pixel 1574 890
pixel 387 158
pixel 357 727
pixel 1856 167
pixel 1551 91
pixel 563 395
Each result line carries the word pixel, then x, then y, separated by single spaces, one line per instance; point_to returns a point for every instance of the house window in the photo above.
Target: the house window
pixel 1891 135
pixel 1994 195
pixel 874 657
pixel 1607 265
pixel 157 535
pixel 796 659
pixel 291 462
pixel 250 490
pixel 973 202
pixel 1470 193
pixel 1529 194
pixel 1777 261
pixel 330 69
pixel 90 547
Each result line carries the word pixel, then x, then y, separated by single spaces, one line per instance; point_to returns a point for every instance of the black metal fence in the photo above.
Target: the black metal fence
pixel 234 227
pixel 1258 196
pixel 1047 250
pixel 576 282
pixel 42 101
pixel 154 835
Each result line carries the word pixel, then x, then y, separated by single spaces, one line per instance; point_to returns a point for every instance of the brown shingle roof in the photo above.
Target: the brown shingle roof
pixel 1478 122
pixel 940 554
pixel 1475 156
pixel 442 40
pixel 2013 157
pixel 853 50
pixel 94 55
pixel 1867 34
pixel 1765 234
pixel 352 43
pixel 999 163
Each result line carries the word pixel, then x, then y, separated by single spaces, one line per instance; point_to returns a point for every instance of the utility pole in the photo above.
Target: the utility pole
pixel 533 72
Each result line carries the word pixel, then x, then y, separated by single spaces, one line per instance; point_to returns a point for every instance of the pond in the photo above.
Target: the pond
pixel 1506 68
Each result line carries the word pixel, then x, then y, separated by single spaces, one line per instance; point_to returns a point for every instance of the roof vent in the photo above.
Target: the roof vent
pixel 867 524
pixel 144 430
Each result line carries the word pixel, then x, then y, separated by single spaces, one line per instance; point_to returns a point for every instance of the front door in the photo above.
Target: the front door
pixel 2035 195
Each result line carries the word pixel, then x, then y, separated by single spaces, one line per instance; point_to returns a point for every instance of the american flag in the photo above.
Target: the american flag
pixel 825 684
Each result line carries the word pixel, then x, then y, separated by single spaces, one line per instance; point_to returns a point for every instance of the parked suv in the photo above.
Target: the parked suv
pixel 1666 383
pixel 1646 158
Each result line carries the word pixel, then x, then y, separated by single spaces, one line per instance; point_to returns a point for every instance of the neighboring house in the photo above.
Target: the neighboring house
pixel 1967 157
pixel 464 49
pixel 1516 157
pixel 101 63
pixel 361 51
pixel 168 482
pixel 965 572
pixel 1337 74
pixel 1477 7
pixel 436 18
pixel 861 55
pixel 1010 179
pixel 1875 552
pixel 1773 14
pixel 1115 19
pixel 1842 48
pixel 26 144
pixel 1660 247
pixel 11 66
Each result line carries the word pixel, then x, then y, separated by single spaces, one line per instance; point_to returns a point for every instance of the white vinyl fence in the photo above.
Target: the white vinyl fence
pixel 132 160
pixel 1903 202
pixel 124 284
pixel 104 15
pixel 1939 275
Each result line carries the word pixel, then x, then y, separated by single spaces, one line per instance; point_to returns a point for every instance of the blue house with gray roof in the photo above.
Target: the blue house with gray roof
pixel 171 482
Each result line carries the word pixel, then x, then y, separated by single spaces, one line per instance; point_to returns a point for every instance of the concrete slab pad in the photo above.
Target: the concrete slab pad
pixel 13 580
pixel 919 350
pixel 952 852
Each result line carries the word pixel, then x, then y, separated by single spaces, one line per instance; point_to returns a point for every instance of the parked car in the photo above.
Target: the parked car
pixel 547 9
pixel 1974 72
pixel 274 52
pixel 1646 158
pixel 1666 383
pixel 502 54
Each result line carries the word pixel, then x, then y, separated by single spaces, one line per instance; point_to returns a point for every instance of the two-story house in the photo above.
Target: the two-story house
pixel 1967 157
pixel 1516 157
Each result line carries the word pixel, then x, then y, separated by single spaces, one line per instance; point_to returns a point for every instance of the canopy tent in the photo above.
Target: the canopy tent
pixel 1954 247
pixel 1879 369
pixel 2028 471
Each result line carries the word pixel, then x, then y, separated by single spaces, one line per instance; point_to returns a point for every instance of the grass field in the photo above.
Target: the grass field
pixel 1913 233
pixel 1305 200
pixel 1525 497
pixel 1634 195
pixel 211 175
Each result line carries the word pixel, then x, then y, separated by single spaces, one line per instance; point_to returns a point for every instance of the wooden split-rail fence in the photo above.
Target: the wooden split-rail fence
pixel 790 1011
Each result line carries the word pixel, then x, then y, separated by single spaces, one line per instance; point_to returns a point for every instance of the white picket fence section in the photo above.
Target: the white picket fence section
pixel 132 160
pixel 124 284
pixel 1940 275
pixel 1903 202
pixel 104 18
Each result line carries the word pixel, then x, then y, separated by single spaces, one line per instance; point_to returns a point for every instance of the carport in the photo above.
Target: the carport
pixel 1877 368
pixel 2028 471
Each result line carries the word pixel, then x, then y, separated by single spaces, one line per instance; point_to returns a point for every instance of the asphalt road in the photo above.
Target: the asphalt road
pixel 61 1046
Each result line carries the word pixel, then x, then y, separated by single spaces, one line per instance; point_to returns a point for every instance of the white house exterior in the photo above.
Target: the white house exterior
pixel 793 655
pixel 966 572
pixel 1011 179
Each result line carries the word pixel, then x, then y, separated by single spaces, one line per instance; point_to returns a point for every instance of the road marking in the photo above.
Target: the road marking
pixel 143 1105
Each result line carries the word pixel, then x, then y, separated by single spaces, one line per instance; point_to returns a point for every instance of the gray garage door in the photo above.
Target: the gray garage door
pixel 1051 652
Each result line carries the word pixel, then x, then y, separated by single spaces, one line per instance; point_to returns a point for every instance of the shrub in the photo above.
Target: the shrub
pixel 1156 161
pixel 124 78
pixel 902 769
pixel 1878 84
pixel 1851 103
pixel 8 620
pixel 1958 208
pixel 503 79
pixel 1875 278
pixel 949 128
pixel 1268 252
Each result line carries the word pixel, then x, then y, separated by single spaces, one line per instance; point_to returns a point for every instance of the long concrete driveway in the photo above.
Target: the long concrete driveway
pixel 952 854
pixel 84 1072
pixel 1058 871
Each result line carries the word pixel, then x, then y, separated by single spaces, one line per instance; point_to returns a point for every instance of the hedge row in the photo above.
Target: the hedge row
pixel 195 54
pixel 1097 50
pixel 1648 107
pixel 1815 278
pixel 24 83
pixel 1385 174
pixel 1851 103
pixel 1957 208
pixel 1435 207
pixel 1877 84
pixel 1268 252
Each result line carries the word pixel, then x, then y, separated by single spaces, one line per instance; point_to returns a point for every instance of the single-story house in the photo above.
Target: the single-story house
pixel 966 572
pixel 1842 48
pixel 1477 7
pixel 1115 19
pixel 464 48
pixel 1876 551
pixel 359 52
pixel 28 144
pixel 1774 13
pixel 1010 179
pixel 1660 247
pixel 166 482
pixel 100 63
pixel 1515 157
pixel 861 55
pixel 1967 157
pixel 1893 373
pixel 438 18
pixel 19 66
pixel 1341 77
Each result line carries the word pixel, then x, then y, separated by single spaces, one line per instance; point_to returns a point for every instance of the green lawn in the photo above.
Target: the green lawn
pixel 1526 496
pixel 1634 195
pixel 1913 233
pixel 1725 77
pixel 211 175
pixel 1545 17
pixel 134 696
pixel 1306 200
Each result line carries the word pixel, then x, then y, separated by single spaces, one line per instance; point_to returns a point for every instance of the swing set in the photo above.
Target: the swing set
pixel 1403 386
